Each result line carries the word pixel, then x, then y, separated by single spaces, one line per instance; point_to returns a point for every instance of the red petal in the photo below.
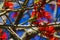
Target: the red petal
pixel 33 14
pixel 41 28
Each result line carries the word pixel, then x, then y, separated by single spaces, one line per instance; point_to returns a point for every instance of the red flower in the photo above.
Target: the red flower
pixel 33 14
pixel 48 15
pixel 9 4
pixel 3 36
pixel 41 28
pixel 51 28
pixel 53 38
pixel 58 2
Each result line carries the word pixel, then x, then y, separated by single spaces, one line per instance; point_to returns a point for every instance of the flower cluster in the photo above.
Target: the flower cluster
pixel 40 13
